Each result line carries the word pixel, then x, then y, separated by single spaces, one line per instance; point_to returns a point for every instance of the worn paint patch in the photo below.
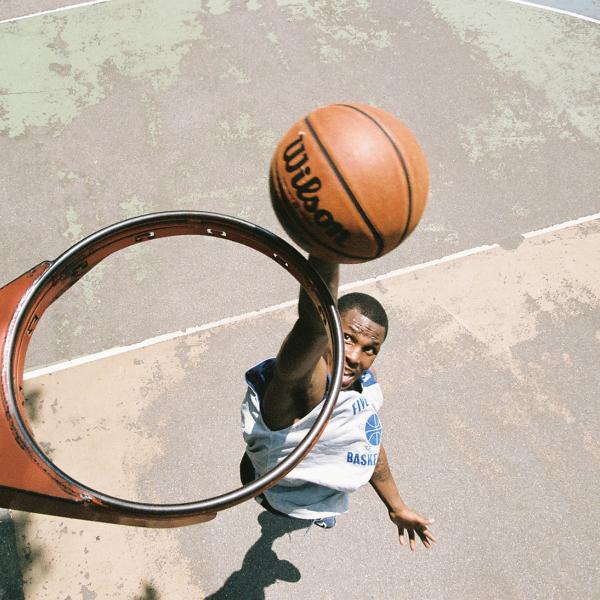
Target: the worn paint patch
pixel 67 175
pixel 442 232
pixel 555 54
pixel 74 227
pixel 218 7
pixel 213 200
pixel 60 558
pixel 133 207
pixel 512 315
pixel 503 128
pixel 91 282
pixel 235 73
pixel 154 120
pixel 54 67
pixel 531 316
pixel 340 24
pixel 91 422
pixel 244 127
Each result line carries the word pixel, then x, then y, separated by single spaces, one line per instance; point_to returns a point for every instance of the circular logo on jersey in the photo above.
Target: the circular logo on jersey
pixel 373 430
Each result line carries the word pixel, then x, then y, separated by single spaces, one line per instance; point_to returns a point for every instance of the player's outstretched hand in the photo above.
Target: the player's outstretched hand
pixel 413 524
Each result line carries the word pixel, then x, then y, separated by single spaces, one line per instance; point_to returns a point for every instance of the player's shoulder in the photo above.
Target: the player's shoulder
pixel 369 378
pixel 304 392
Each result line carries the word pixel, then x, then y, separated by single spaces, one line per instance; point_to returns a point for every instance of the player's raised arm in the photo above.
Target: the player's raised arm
pixel 300 376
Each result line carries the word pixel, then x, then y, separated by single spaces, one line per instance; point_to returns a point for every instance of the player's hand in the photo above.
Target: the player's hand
pixel 412 524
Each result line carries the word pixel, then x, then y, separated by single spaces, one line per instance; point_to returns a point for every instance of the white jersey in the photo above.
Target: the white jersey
pixel 341 461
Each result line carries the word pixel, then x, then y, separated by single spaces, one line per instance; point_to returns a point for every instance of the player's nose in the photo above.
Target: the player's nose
pixel 352 355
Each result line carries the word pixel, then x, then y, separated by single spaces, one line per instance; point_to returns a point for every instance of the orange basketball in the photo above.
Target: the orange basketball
pixel 349 182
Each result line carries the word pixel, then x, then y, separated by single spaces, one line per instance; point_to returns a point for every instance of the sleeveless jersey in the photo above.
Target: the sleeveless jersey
pixel 341 461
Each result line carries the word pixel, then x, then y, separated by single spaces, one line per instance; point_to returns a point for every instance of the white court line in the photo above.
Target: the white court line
pixel 82 360
pixel 53 10
pixel 556 10
pixel 561 226
pixel 523 2
pixel 425 265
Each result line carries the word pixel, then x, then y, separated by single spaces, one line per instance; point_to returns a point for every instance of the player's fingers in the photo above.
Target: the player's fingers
pixel 428 535
pixel 401 532
pixel 425 541
pixel 411 538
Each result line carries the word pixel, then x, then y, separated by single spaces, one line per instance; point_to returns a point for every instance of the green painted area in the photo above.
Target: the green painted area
pixel 133 206
pixel 556 54
pixel 74 228
pixel 341 25
pixel 218 7
pixel 503 128
pixel 67 175
pixel 55 66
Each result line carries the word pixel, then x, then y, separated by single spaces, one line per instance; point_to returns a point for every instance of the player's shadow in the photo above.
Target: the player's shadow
pixel 262 567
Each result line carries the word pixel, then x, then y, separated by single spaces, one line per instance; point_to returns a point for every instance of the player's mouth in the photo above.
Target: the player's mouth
pixel 348 378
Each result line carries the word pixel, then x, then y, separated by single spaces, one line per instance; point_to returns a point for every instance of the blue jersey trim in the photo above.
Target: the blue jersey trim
pixel 367 379
pixel 259 376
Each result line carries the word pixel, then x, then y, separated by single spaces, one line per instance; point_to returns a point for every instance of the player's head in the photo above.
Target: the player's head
pixel 366 305
pixel 365 326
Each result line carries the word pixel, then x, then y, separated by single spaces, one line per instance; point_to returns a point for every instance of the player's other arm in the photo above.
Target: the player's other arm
pixel 400 514
pixel 300 376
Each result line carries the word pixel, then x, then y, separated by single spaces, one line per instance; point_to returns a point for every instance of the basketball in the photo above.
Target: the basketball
pixel 349 182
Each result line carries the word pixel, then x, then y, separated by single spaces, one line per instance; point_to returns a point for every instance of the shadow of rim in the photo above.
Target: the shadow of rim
pixel 11 577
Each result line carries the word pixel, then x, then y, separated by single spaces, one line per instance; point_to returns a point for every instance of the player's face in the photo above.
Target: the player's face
pixel 362 341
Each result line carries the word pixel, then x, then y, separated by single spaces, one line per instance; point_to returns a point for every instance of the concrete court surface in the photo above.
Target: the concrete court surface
pixel 491 424
pixel 121 108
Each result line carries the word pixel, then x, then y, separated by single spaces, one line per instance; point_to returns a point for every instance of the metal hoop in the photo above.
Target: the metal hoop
pixel 49 489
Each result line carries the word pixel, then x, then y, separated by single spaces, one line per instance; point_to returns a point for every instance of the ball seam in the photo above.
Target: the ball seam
pixel 376 235
pixel 402 162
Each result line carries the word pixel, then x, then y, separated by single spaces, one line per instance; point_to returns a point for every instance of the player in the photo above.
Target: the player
pixel 281 404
